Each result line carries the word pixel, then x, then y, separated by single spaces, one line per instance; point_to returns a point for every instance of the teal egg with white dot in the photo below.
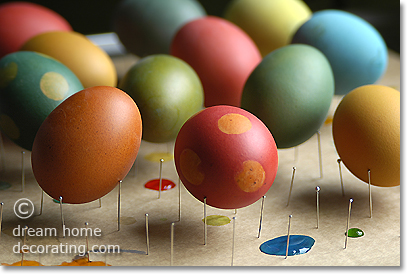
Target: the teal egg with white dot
pixel 31 86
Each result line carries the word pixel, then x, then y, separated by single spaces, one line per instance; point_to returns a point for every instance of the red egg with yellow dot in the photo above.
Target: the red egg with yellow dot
pixel 226 155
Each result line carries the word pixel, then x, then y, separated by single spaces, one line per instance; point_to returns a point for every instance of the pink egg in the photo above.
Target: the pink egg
pixel 19 21
pixel 221 53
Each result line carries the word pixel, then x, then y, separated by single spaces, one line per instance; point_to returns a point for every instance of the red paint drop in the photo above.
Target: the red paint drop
pixel 155 184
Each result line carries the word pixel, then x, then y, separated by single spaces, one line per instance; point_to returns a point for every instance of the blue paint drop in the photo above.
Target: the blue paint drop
pixel 299 244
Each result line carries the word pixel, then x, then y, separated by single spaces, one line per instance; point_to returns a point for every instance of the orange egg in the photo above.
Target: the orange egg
pixel 366 132
pixel 90 63
pixel 87 144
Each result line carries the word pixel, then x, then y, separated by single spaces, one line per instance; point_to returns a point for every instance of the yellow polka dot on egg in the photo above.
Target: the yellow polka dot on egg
pixel 8 74
pixel 189 164
pixel 233 123
pixel 9 127
pixel 54 85
pixel 251 177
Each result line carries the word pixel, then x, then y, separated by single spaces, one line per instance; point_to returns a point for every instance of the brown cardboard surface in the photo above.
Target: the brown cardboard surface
pixel 379 247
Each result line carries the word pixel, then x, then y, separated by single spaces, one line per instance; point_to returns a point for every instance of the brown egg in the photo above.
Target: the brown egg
pixel 87 144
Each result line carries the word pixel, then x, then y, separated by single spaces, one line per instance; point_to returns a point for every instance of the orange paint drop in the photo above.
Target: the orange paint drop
pixel 252 176
pixel 233 123
pixel 84 262
pixel 189 164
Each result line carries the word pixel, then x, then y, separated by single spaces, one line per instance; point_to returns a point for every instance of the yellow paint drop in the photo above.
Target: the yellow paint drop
pixel 328 120
pixel 54 86
pixel 251 177
pixel 9 127
pixel 157 156
pixel 234 123
pixel 189 163
pixel 8 74
pixel 216 220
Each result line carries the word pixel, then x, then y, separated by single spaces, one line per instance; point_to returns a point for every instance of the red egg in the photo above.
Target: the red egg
pixel 221 53
pixel 227 155
pixel 87 144
pixel 19 21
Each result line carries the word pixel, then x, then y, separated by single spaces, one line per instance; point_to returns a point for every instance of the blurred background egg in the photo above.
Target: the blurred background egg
pixel 31 86
pixel 291 92
pixel 90 63
pixel 147 27
pixel 167 91
pixel 87 144
pixel 355 49
pixel 366 133
pixel 227 155
pixel 221 53
pixel 271 24
pixel 20 21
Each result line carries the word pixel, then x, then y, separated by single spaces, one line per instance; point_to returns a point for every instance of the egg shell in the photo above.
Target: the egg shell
pixel 221 53
pixel 90 63
pixel 20 21
pixel 355 49
pixel 147 27
pixel 291 92
pixel 227 155
pixel 271 24
pixel 31 86
pixel 366 133
pixel 167 91
pixel 87 144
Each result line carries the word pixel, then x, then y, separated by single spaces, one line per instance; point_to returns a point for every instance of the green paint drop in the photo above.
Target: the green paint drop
pixel 4 185
pixel 355 232
pixel 163 219
pixel 216 220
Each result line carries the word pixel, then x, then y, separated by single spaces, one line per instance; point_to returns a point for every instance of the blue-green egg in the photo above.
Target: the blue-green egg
pixel 31 86
pixel 355 49
pixel 290 91
pixel 147 27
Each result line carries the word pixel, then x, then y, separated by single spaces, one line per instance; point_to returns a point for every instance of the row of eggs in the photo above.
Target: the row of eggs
pixel 79 140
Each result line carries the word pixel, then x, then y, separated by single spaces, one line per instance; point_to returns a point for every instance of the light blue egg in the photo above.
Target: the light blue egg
pixel 355 49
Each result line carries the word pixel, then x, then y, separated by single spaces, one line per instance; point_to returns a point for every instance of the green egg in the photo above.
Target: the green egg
pixel 167 91
pixel 290 91
pixel 31 86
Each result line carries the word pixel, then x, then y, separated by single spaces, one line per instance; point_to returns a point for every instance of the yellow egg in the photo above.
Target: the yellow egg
pixel 271 24
pixel 366 132
pixel 87 61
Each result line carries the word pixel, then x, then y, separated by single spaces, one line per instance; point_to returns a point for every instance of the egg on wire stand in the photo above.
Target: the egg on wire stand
pixel 31 86
pixel 366 133
pixel 226 155
pixel 87 145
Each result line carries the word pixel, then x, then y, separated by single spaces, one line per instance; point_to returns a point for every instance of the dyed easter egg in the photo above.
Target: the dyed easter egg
pixel 90 63
pixel 147 27
pixel 227 155
pixel 355 49
pixel 366 133
pixel 31 86
pixel 290 91
pixel 87 144
pixel 167 91
pixel 221 53
pixel 20 21
pixel 271 24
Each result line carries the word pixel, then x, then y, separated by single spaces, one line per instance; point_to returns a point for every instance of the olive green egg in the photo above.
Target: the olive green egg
pixel 290 91
pixel 167 91
pixel 31 86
